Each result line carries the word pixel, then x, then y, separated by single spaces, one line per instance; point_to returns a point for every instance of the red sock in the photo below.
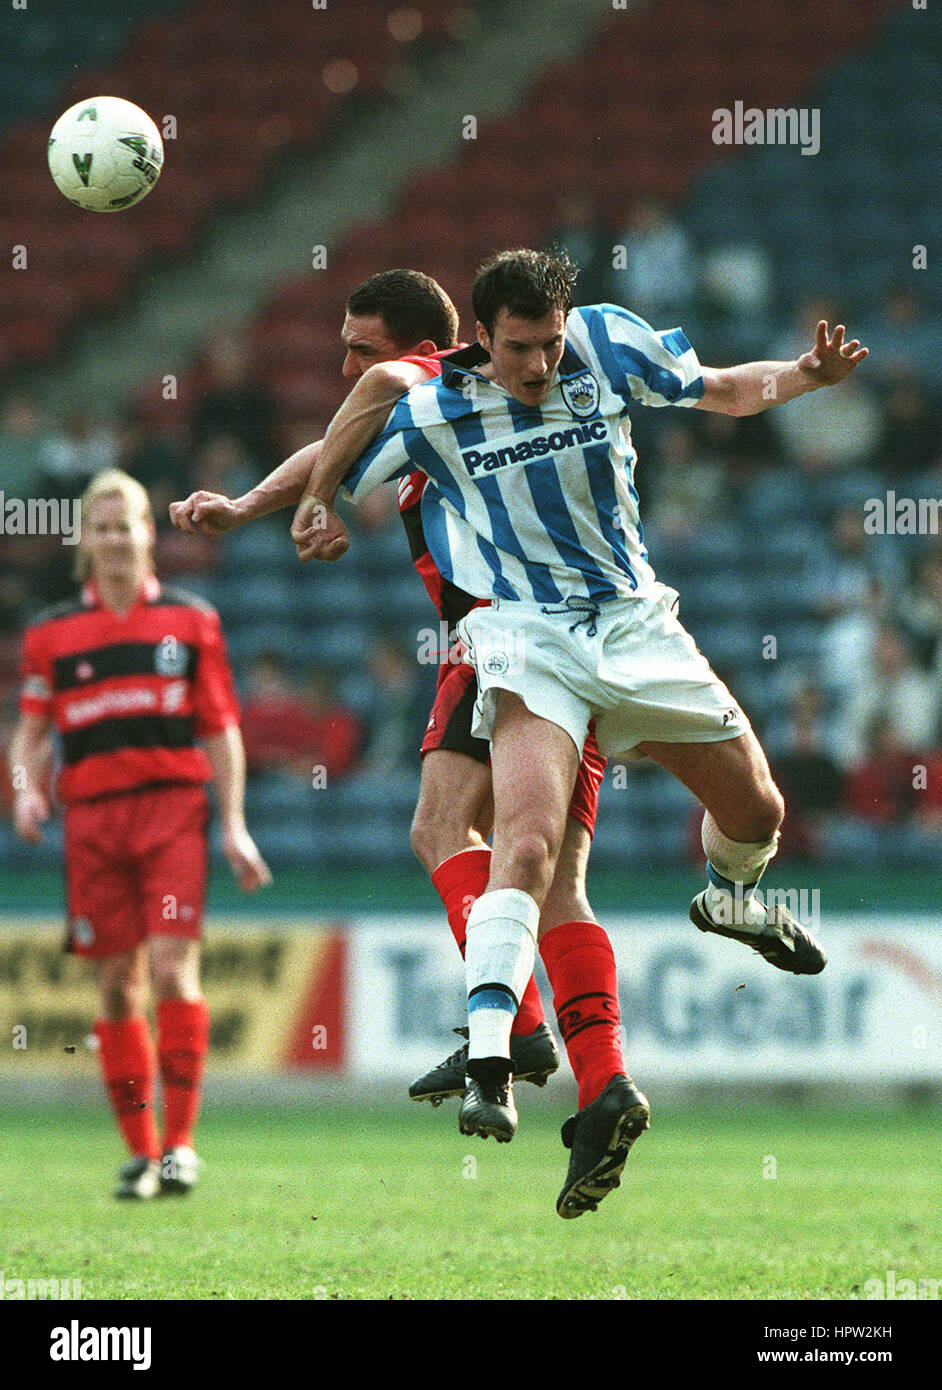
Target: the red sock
pixel 129 1067
pixel 182 1044
pixel 580 964
pixel 458 882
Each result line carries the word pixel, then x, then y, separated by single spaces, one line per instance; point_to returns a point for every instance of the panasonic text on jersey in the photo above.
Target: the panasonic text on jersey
pixel 536 446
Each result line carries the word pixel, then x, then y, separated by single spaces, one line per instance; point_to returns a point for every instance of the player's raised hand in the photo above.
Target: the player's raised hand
pixel 30 810
pixel 205 514
pixel 250 870
pixel 831 359
pixel 318 532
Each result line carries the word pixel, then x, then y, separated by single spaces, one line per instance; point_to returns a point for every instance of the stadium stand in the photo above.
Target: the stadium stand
pixel 629 115
pixel 231 119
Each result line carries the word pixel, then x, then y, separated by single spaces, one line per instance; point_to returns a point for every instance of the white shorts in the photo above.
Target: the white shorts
pixel 632 667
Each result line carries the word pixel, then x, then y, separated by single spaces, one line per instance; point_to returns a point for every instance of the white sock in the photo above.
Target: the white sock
pixel 500 949
pixel 729 908
pixel 734 869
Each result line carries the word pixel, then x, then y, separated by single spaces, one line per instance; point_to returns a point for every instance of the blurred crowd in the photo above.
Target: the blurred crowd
pixel 851 716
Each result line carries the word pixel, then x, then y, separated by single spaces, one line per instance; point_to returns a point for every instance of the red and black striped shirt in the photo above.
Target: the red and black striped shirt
pixel 129 695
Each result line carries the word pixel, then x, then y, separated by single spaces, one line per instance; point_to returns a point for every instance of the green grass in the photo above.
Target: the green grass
pixel 398 1214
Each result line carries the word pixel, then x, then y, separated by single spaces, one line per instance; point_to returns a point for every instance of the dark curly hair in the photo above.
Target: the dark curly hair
pixel 525 282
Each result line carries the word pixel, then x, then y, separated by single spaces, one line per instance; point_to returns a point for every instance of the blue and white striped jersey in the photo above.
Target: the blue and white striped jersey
pixel 531 502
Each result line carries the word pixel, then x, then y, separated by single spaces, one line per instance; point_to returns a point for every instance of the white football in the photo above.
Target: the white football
pixel 105 154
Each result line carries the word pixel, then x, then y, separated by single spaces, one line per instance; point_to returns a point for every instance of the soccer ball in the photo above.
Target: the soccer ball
pixel 105 154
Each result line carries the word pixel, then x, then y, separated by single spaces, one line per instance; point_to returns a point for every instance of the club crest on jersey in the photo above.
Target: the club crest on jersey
pixel 582 395
pixel 170 657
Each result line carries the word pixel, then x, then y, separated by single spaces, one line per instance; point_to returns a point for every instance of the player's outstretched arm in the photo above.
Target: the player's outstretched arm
pixel 317 531
pixel 226 755
pixel 754 386
pixel 213 514
pixel 29 754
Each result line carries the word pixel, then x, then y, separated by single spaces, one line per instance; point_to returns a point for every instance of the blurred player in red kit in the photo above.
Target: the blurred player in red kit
pixel 130 675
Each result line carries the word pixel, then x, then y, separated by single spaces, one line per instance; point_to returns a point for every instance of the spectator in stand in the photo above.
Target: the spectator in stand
pixel 808 775
pixel 80 448
pixel 904 341
pixel 235 404
pixel 881 787
pixel 156 463
pixel 30 566
pixel 919 608
pixel 222 466
pixel 685 490
pixel 397 709
pixel 830 436
pixel 892 803
pixel 659 278
pixel 737 289
pixel 751 455
pixel 579 232
pixel 293 732
pixel 899 698
pixel 859 573
pixel 25 444
pixel 225 465
pixel 911 439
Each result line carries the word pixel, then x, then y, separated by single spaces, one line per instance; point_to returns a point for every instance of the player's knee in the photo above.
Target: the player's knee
pixel 122 999
pixel 437 834
pixel 531 862
pixel 173 975
pixel 771 812
pixel 761 815
pixel 424 839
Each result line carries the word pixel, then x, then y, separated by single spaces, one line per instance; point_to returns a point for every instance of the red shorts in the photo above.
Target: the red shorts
pixel 136 866
pixel 449 727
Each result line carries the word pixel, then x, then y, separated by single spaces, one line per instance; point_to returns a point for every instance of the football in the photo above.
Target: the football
pixel 105 154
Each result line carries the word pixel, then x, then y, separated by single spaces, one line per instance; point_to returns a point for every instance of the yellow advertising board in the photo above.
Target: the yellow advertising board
pixel 276 995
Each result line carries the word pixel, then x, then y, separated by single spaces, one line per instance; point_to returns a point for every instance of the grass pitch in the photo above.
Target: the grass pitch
pixel 352 1203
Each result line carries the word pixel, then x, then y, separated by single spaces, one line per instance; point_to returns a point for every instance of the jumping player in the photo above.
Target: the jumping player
pixel 130 675
pixel 399 315
pixel 527 447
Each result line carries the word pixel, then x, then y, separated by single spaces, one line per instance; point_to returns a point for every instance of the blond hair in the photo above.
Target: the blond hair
pixel 112 482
